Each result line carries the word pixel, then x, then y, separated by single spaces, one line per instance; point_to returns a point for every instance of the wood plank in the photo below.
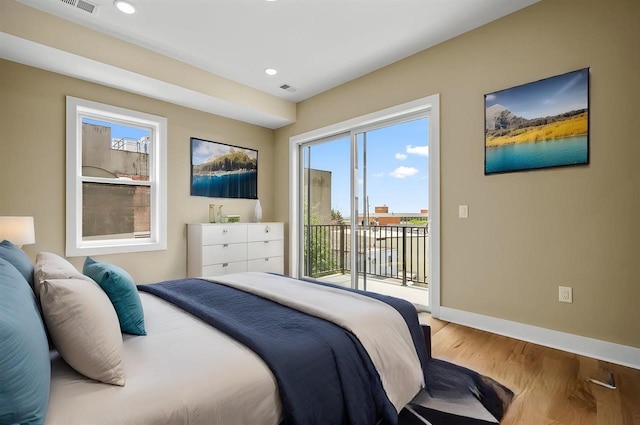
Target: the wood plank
pixel 551 386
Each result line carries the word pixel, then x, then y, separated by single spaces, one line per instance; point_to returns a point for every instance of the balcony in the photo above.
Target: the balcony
pixel 393 258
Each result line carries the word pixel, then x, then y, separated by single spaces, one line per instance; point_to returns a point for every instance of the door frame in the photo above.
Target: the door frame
pixel 430 105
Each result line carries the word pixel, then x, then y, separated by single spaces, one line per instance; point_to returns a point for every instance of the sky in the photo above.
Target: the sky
pixel 397 168
pixel 548 97
pixel 119 131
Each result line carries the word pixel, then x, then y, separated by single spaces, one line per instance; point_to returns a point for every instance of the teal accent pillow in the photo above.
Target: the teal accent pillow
pixel 25 367
pixel 18 259
pixel 122 292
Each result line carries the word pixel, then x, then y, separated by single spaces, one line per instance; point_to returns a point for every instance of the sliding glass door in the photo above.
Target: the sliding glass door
pixel 364 209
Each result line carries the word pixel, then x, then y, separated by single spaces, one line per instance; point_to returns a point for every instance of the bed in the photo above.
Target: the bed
pixel 186 371
pixel 183 371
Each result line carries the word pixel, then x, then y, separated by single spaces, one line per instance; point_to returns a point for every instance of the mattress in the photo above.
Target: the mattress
pixel 182 372
pixel 185 371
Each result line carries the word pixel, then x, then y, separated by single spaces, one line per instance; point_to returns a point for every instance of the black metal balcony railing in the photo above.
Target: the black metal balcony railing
pixel 399 252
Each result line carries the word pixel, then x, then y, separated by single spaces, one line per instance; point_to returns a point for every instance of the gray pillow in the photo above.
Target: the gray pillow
pixel 84 328
pixel 80 318
pixel 52 266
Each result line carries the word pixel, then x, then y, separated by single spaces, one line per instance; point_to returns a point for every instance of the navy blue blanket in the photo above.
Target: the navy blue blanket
pixel 324 375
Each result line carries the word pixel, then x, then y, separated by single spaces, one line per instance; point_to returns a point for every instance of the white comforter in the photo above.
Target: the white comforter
pixel 379 327
pixel 182 372
pixel 186 372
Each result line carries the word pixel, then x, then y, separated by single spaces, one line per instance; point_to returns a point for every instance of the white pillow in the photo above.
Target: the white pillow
pixel 84 328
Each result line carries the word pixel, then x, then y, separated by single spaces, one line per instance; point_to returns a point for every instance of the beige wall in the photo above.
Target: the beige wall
pixel 32 163
pixel 527 232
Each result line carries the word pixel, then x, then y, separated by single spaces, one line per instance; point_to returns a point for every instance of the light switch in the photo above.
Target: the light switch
pixel 463 211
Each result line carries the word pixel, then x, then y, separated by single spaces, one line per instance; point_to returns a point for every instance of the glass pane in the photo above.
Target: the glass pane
pixel 115 151
pixel 393 212
pixel 113 211
pixel 326 198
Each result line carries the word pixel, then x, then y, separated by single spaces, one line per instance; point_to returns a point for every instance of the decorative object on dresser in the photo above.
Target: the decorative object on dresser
pixel 219 215
pixel 223 171
pixel 222 248
pixel 257 212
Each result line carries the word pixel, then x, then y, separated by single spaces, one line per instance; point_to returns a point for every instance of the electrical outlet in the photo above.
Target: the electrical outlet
pixel 463 211
pixel 565 294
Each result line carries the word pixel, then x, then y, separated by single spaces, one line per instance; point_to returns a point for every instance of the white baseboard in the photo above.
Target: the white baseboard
pixel 608 351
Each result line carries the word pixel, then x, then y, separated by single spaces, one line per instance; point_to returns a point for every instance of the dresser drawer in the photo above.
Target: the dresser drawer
pixel 223 253
pixel 265 232
pixel 265 249
pixel 223 233
pixel 268 265
pixel 215 249
pixel 224 268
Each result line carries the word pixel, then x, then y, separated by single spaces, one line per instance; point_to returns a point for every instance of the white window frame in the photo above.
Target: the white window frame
pixel 429 105
pixel 75 246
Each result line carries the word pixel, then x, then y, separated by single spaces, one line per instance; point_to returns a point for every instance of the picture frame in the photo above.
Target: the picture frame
pixel 542 124
pixel 219 170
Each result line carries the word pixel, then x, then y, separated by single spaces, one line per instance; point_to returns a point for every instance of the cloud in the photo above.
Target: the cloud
pixel 401 156
pixel 418 150
pixel 490 97
pixel 377 175
pixel 204 148
pixel 569 85
pixel 402 172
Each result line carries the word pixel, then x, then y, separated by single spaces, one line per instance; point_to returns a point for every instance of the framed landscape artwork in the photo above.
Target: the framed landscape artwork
pixel 223 171
pixel 538 125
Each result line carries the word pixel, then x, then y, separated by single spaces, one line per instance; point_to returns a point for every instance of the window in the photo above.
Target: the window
pixel 116 180
pixel 355 134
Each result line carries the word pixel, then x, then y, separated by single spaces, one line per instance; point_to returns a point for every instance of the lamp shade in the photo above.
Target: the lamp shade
pixel 18 230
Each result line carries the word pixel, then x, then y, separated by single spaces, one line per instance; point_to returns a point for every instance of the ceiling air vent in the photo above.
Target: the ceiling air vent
pixel 288 88
pixel 83 5
pixel 86 6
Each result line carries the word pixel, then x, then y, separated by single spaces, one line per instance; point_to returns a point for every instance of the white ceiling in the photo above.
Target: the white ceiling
pixel 314 44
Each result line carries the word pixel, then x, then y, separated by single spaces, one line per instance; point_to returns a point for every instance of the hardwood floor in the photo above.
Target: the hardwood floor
pixel 551 386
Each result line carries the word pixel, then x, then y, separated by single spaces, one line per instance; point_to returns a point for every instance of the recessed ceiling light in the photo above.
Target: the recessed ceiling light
pixel 125 7
pixel 270 71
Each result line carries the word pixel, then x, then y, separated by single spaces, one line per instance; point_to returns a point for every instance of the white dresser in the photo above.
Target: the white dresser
pixel 220 248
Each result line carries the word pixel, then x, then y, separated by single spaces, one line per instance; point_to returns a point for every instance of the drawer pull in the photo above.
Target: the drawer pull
pixel 266 241
pixel 225 245
pixel 266 259
pixel 225 265
pixel 224 230
pixel 267 229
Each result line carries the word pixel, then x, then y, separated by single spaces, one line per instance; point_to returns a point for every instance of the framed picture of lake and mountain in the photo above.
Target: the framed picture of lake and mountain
pixel 219 170
pixel 538 125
